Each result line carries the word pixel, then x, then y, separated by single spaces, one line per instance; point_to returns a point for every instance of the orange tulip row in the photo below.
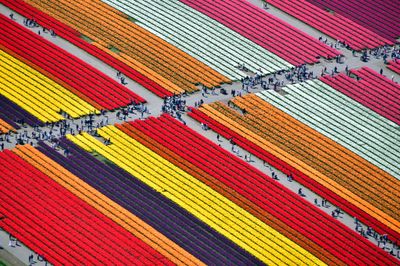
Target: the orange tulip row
pixel 110 28
pixel 5 127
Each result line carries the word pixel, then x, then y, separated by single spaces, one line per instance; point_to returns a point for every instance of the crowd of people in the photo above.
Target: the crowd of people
pixel 393 247
pixel 52 132
pixel 31 23
pixel 385 53
pixel 279 79
pixel 47 133
pixel 134 108
pixel 122 78
pixel 175 106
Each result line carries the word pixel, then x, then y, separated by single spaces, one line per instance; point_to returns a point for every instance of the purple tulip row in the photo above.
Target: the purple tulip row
pixel 11 113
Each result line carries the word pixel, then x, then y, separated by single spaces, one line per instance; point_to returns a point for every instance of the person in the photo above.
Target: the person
pixel 358 228
pixel 39 257
pixel 2 146
pixel 13 242
pixel 385 58
pixel 274 175
pixel 392 252
pixel 31 260
pixel 369 231
pixel 316 202
pixel 300 192
pixel 218 137
pixel 323 202
pixel 364 235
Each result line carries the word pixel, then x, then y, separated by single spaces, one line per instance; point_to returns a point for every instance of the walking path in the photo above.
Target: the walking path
pixel 13 254
pixel 154 104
